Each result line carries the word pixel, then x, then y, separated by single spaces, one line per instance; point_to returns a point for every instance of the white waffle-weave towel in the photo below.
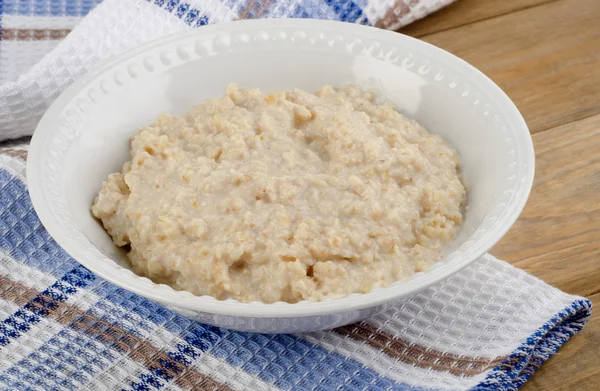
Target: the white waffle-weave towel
pixel 35 67
pixel 489 327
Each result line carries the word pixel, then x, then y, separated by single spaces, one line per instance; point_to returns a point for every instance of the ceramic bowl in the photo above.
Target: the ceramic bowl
pixel 84 136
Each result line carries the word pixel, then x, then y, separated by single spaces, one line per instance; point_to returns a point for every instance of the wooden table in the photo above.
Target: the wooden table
pixel 546 55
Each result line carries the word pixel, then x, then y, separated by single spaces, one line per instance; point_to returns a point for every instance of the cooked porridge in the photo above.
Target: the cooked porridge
pixel 284 197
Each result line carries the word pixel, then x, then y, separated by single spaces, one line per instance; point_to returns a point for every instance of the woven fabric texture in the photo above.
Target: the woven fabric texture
pixel 489 327
pixel 44 47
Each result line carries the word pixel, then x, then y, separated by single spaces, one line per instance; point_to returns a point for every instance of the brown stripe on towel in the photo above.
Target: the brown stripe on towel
pixel 18 153
pixel 136 348
pixel 260 6
pixel 418 355
pixel 395 13
pixel 33 34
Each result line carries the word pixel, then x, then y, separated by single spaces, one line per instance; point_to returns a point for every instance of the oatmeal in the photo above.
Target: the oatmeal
pixel 284 197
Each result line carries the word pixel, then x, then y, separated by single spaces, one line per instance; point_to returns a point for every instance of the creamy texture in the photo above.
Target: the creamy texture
pixel 284 197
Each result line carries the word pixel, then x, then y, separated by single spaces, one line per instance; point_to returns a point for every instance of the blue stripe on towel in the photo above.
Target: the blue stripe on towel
pixel 537 349
pixel 41 305
pixel 21 233
pixel 347 10
pixel 183 10
pixel 68 352
pixel 48 7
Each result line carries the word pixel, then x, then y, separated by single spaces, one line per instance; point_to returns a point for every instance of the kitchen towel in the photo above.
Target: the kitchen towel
pixel 488 327
pixel 36 63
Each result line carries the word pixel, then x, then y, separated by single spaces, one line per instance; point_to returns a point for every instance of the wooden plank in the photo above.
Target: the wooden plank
pixel 557 238
pixel 575 366
pixel 546 58
pixel 464 12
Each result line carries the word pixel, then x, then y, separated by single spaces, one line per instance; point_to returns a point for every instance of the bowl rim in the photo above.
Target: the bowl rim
pixel 186 300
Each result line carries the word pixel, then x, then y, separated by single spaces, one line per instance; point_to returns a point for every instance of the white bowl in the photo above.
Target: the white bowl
pixel 84 136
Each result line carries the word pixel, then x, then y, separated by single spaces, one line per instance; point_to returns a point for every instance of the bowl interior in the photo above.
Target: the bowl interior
pixel 450 98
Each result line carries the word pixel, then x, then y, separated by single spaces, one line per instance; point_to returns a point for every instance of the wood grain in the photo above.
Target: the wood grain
pixel 464 12
pixel 546 58
pixel 576 365
pixel 557 238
